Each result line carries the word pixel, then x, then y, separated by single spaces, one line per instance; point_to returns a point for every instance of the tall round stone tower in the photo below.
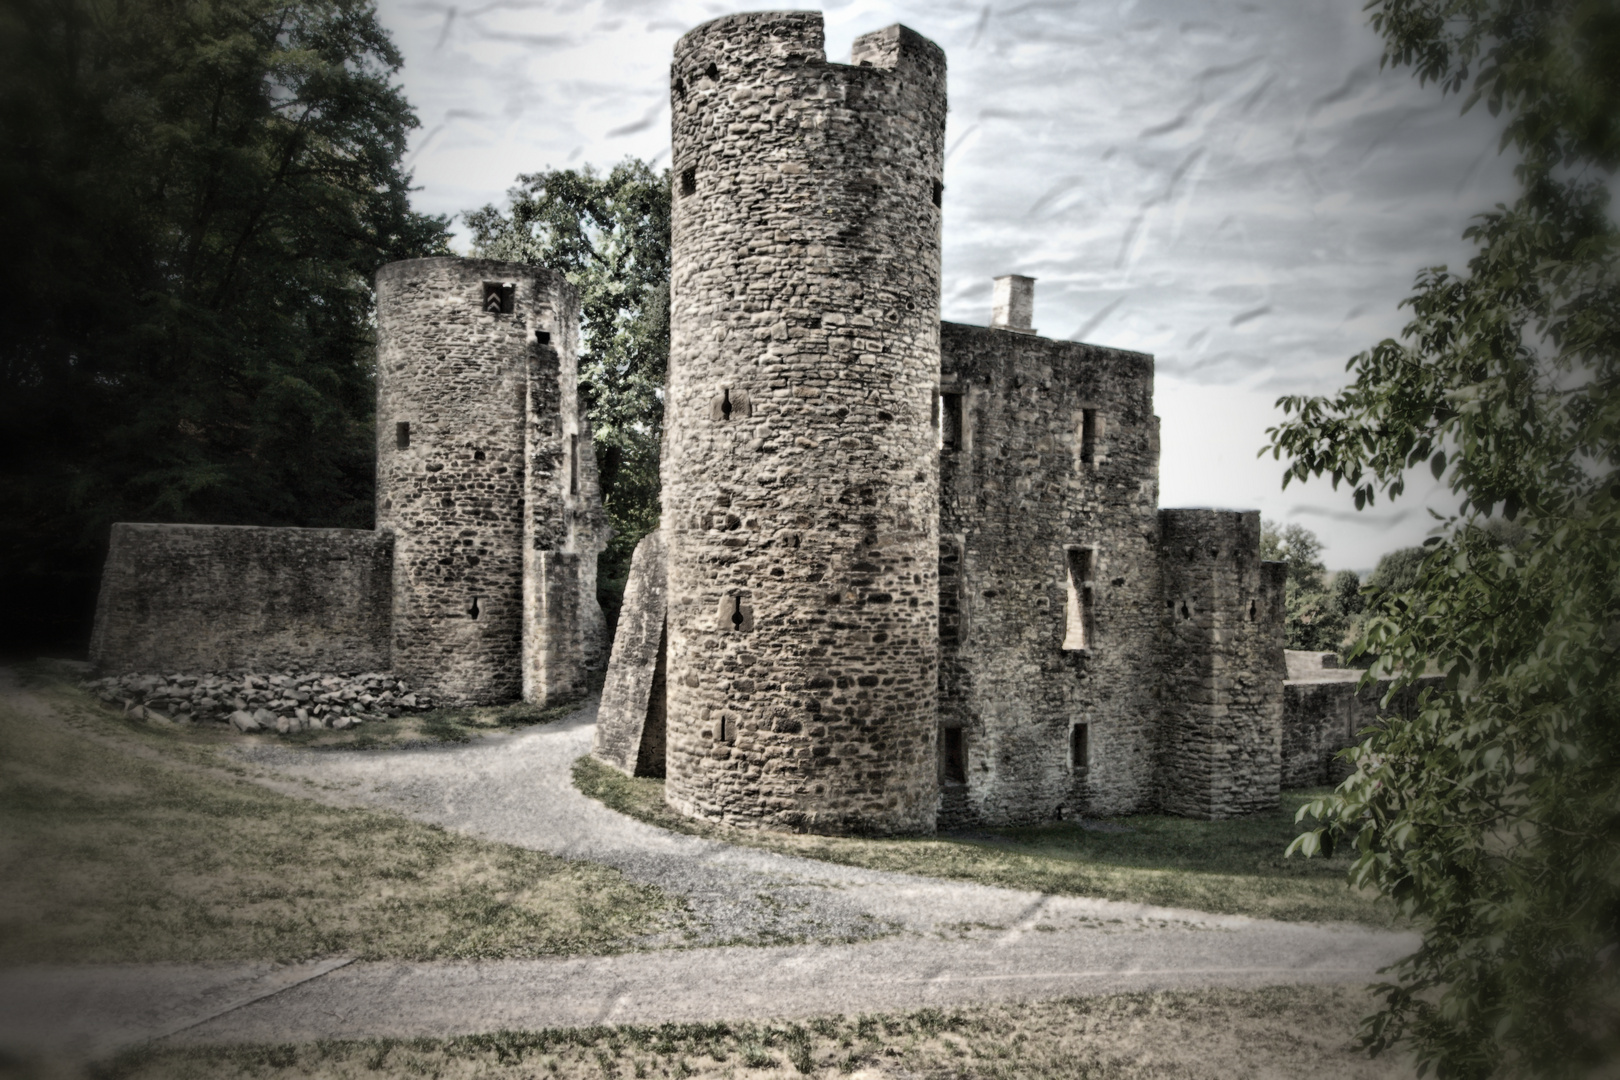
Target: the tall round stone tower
pixel 458 341
pixel 800 454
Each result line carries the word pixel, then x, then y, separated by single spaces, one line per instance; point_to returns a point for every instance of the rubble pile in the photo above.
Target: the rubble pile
pixel 281 702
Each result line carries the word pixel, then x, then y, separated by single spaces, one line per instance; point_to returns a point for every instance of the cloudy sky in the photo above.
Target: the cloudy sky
pixel 1232 185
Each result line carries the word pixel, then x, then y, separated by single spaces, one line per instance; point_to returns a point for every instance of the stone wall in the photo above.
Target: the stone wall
pixel 564 629
pixel 1220 665
pixel 1325 710
pixel 630 728
pixel 459 358
pixel 799 471
pixel 215 597
pixel 1048 461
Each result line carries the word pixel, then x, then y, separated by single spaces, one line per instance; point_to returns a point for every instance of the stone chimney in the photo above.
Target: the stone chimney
pixel 1014 304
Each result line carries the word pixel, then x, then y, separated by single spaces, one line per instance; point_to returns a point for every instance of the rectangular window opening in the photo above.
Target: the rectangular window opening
pixel 500 298
pixel 1088 436
pixel 688 182
pixel 950 421
pixel 573 464
pixel 402 435
pixel 953 755
pixel 1077 631
pixel 1080 748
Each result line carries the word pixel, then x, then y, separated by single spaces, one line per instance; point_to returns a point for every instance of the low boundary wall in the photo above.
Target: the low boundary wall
pixel 232 598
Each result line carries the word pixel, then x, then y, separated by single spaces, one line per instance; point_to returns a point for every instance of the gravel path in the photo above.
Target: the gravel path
pixel 519 789
pixel 820 937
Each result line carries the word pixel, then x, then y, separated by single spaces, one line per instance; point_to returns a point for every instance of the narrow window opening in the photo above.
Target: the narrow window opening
pixel 680 89
pixel 1077 630
pixel 1252 611
pixel 725 406
pixel 499 298
pixel 1186 613
pixel 688 182
pixel 1088 436
pixel 939 193
pixel 950 421
pixel 736 613
pixel 728 729
pixel 573 464
pixel 1080 748
pixel 953 756
pixel 712 72
pixel 472 612
pixel 402 435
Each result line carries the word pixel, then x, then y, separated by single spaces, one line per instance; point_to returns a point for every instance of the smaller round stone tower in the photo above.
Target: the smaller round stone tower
pixel 800 456
pixel 456 340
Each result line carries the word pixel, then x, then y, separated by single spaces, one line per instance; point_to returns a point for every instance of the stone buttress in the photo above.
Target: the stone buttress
pixel 800 471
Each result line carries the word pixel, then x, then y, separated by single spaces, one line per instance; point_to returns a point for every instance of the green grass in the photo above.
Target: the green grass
pixel 127 841
pixel 1275 1033
pixel 1231 867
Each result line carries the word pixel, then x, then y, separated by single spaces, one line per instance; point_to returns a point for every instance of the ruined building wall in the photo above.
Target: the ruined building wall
pixel 566 529
pixel 1326 709
pixel 1035 492
pixel 455 344
pixel 198 598
pixel 1220 665
pixel 799 471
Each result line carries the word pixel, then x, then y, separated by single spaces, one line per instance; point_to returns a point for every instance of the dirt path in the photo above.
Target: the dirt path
pixel 822 937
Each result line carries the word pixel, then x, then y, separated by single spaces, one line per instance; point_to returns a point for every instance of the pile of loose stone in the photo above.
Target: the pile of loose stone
pixel 283 702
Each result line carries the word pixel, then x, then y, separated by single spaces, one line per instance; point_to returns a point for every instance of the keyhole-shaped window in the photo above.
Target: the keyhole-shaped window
pixel 472 612
pixel 736 615
pixel 731 404
pixel 1253 612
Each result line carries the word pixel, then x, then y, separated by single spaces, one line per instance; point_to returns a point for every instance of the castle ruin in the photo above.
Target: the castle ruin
pixel 912 574
pixel 479 582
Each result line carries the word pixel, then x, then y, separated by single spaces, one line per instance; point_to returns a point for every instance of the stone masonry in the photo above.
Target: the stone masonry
pixel 917 574
pixel 909 574
pixel 1048 492
pixel 479 585
pixel 180 597
pixel 799 470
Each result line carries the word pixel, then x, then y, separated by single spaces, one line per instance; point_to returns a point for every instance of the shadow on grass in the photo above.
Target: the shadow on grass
pixel 1233 867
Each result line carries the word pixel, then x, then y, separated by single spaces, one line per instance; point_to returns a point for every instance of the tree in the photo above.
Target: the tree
pixel 610 237
pixel 1317 611
pixel 194 196
pixel 1493 816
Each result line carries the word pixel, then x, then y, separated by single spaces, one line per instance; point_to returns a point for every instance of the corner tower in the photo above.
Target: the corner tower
pixel 800 459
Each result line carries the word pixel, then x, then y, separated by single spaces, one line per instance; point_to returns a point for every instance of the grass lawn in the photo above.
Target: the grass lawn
pixel 1276 1033
pixel 130 841
pixel 1231 867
